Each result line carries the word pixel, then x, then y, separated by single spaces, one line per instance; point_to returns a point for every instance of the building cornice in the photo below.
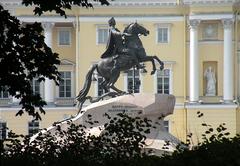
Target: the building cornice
pixel 139 3
pixel 167 3
pixel 212 106
pixel 209 2
pixel 52 19
pixel 7 109
pixel 211 16
pixel 130 18
pixel 126 19
pixel 144 3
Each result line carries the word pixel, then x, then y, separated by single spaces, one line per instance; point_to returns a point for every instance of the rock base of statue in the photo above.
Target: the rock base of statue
pixel 151 106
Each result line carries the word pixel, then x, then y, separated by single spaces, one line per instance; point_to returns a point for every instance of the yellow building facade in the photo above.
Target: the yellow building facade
pixel 198 41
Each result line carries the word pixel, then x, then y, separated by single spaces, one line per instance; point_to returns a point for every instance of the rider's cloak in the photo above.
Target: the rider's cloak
pixel 111 43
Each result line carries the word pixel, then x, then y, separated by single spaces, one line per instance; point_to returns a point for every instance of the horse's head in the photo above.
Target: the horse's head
pixel 136 29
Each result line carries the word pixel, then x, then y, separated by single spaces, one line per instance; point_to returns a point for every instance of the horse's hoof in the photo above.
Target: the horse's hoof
pixel 124 93
pixel 162 66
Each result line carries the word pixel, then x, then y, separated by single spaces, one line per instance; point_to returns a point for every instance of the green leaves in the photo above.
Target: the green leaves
pixel 25 56
pixel 119 144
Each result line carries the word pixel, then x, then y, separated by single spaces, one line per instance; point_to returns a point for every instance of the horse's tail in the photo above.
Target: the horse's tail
pixel 81 97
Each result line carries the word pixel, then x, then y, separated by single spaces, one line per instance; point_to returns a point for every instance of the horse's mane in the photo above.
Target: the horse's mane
pixel 127 27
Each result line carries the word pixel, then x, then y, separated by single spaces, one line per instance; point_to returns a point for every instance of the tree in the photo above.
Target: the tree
pixel 120 143
pixel 217 148
pixel 24 55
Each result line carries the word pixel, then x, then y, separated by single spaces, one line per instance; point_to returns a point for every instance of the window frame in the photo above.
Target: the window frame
pixel 68 29
pixel 67 66
pixel 170 80
pixel 71 85
pixel 3 129
pixel 162 78
pixel 33 84
pixel 2 94
pixel 33 127
pixel 160 26
pixel 101 27
pixel 127 80
pixel 167 129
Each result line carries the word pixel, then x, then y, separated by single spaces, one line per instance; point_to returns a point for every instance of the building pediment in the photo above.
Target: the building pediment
pixel 67 62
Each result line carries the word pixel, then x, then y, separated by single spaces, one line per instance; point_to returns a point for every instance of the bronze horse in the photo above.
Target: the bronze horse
pixel 125 62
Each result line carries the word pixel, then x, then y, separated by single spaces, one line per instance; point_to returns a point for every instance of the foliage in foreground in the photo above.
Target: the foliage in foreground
pixel 216 149
pixel 121 143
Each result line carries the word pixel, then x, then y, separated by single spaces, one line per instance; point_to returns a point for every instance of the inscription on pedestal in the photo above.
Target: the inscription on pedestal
pixel 128 109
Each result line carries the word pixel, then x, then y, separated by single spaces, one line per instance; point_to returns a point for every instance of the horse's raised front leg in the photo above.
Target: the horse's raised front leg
pixel 149 58
pixel 159 61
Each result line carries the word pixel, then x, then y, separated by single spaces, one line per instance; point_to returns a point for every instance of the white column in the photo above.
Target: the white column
pixel 49 90
pixel 228 65
pixel 194 62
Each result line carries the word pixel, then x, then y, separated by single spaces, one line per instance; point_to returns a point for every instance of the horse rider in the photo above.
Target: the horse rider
pixel 115 42
pixel 115 46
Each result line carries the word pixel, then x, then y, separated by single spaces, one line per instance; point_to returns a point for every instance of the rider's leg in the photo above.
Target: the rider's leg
pixel 115 67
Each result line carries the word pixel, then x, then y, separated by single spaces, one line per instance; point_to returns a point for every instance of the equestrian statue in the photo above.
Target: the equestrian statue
pixel 123 52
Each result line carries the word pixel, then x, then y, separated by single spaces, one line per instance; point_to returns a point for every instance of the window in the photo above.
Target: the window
pixel 163 35
pixel 35 86
pixel 163 81
pixel 102 34
pixel 131 81
pixel 101 91
pixel 33 127
pixel 166 125
pixel 65 84
pixel 4 93
pixel 3 130
pixel 64 37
